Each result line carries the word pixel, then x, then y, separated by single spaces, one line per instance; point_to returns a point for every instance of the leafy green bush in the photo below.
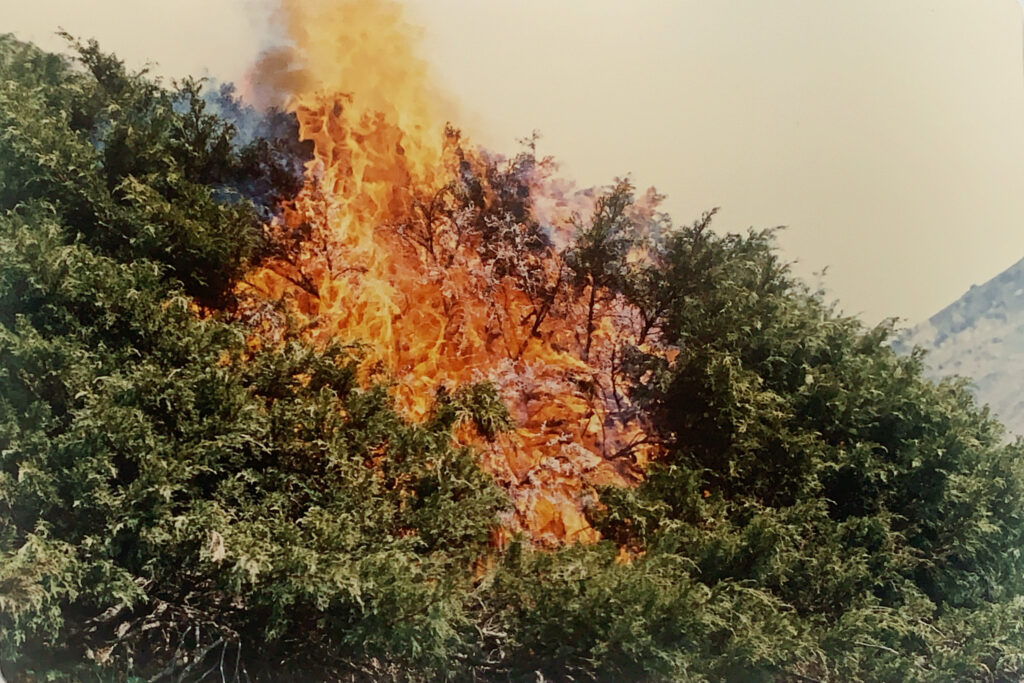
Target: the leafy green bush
pixel 807 459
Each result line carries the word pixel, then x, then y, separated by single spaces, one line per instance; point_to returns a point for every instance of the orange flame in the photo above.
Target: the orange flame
pixel 391 253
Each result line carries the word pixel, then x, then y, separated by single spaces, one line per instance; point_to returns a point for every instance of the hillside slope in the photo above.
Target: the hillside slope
pixel 981 336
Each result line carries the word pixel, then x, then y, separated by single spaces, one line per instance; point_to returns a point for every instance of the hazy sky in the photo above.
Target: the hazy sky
pixel 888 135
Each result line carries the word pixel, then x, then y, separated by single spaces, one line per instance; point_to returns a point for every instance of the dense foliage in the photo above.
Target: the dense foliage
pixel 180 502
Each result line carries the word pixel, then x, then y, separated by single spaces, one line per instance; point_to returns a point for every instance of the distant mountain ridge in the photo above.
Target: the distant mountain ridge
pixel 981 336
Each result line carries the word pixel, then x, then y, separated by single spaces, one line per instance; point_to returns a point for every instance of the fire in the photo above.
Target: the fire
pixel 407 241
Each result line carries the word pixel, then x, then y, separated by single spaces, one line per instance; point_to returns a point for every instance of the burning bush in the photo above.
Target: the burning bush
pixel 420 415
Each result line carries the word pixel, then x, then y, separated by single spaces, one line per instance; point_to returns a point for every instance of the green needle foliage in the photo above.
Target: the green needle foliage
pixel 179 503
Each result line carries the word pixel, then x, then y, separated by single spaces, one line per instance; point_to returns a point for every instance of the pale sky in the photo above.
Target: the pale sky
pixel 888 135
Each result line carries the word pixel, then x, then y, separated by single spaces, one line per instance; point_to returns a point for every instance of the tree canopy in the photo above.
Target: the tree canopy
pixel 181 502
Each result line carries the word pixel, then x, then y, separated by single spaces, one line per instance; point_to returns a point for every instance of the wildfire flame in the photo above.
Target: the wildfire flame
pixel 393 245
